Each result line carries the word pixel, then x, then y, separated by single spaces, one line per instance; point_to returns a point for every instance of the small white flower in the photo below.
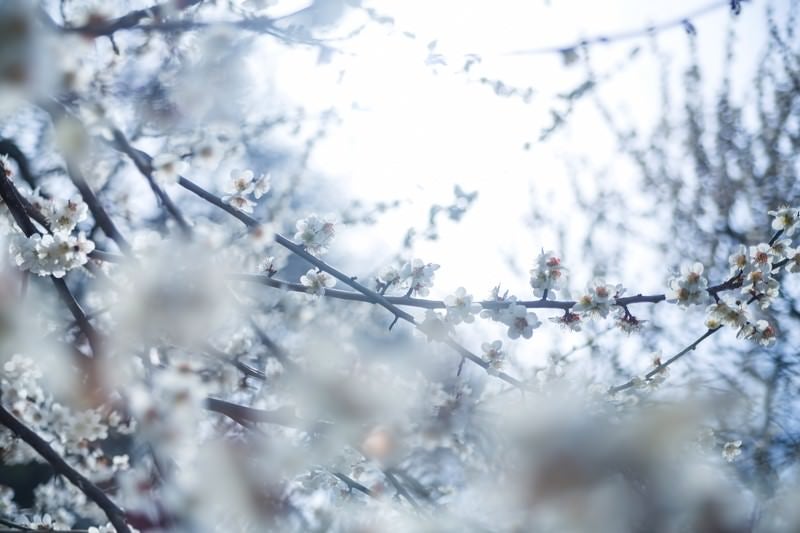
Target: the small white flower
pixel 241 182
pixel 315 233
pixel 733 314
pixel 317 281
pixel 597 299
pixel 460 307
pixel 493 353
pixel 731 450
pixel 262 186
pixel 781 249
pixel 389 276
pixel 761 257
pixel 240 202
pixel 167 168
pixel 497 312
pixel 548 275
pixel 690 288
pixel 520 321
pixel 739 260
pixel 418 276
pixel 761 332
pixel 65 215
pixel 786 219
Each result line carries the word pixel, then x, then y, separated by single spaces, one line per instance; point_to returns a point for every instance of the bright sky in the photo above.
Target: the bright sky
pixel 412 130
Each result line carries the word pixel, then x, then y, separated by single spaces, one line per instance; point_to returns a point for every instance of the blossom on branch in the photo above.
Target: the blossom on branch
pixel 418 276
pixel 598 299
pixel 315 233
pixel 786 219
pixel 167 168
pixel 548 275
pixel 317 281
pixel 690 288
pixel 520 321
pixel 460 307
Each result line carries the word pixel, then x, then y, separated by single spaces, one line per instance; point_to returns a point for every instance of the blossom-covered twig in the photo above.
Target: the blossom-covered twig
pixel 12 198
pixel 114 513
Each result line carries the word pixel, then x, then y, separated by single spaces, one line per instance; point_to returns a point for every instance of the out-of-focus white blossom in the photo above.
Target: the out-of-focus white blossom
pixel 317 281
pixel 460 307
pixel 315 233
pixel 418 276
pixel 435 327
pixel 167 168
pixel 731 450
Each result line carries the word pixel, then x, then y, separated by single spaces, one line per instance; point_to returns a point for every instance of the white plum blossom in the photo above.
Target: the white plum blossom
pixel 781 249
pixel 435 327
pixel 388 276
pixel 793 266
pixel 51 254
pixel 690 288
pixel 493 354
pixel 548 275
pixel 460 307
pixel 315 233
pixel 317 281
pixel 727 313
pixel 241 182
pixel 598 299
pixel 262 186
pixel 761 257
pixel 761 332
pixel 496 312
pixel 520 321
pixel 731 450
pixel 786 219
pixel 418 276
pixel 167 168
pixel 739 260
pixel 63 216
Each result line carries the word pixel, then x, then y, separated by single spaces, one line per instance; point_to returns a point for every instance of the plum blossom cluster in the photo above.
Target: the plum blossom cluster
pixel 597 299
pixel 316 233
pixel 415 276
pixel 242 186
pixel 51 254
pixel 548 276
pixel 690 288
pixel 460 307
pixel 505 309
pixel 316 281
